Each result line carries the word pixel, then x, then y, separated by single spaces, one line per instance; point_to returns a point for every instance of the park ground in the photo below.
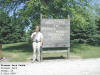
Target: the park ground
pixel 89 66
pixel 22 52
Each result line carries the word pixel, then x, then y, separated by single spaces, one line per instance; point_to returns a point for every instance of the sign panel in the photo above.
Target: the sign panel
pixel 56 32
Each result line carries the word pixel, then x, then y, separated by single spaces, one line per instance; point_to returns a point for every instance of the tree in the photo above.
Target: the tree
pixel 83 18
pixel 10 29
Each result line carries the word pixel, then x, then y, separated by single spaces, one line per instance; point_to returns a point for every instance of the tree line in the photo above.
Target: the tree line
pixel 16 16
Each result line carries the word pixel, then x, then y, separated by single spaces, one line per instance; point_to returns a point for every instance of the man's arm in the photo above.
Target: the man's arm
pixel 32 36
pixel 41 42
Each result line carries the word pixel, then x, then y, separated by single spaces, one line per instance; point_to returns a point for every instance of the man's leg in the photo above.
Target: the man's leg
pixel 38 49
pixel 34 51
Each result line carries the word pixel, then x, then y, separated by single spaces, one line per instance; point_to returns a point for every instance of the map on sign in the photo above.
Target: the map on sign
pixel 56 32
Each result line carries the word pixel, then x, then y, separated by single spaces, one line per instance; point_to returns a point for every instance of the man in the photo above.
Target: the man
pixel 37 38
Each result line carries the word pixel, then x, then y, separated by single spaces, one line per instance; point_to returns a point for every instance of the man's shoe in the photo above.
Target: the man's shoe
pixel 33 61
pixel 38 60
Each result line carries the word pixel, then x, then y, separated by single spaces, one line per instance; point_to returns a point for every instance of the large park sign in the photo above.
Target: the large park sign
pixel 56 33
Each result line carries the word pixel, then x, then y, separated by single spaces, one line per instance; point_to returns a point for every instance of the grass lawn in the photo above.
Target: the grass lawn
pixel 86 51
pixel 20 52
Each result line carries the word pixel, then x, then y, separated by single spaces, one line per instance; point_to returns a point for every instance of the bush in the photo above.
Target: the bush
pixel 88 35
pixel 94 40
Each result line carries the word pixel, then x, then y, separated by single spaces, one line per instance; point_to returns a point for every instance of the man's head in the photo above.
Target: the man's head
pixel 37 28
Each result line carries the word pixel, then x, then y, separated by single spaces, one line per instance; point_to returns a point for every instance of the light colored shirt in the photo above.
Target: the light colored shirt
pixel 38 36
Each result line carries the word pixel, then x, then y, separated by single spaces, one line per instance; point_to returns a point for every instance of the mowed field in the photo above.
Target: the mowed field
pixel 22 52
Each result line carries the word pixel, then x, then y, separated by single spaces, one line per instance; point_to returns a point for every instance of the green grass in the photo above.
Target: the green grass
pixel 22 52
pixel 17 51
pixel 86 51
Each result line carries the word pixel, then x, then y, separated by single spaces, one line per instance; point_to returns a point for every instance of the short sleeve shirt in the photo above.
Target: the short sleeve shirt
pixel 38 36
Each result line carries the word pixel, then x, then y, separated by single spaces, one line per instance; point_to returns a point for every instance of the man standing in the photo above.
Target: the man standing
pixel 37 38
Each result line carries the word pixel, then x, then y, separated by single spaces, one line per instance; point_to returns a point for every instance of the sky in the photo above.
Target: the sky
pixel 96 1
pixel 18 8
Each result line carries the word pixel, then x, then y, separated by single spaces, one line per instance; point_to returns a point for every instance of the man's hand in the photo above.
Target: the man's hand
pixel 33 36
pixel 41 43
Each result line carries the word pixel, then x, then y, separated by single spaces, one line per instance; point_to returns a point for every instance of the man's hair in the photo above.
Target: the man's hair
pixel 37 26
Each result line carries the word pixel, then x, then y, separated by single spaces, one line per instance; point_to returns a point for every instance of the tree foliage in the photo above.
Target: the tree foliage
pixel 83 17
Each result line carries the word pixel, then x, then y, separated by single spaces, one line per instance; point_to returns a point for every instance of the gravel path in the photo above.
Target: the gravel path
pixel 61 67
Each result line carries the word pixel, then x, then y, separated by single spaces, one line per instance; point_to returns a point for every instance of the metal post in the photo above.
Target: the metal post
pixel 40 16
pixel 40 30
pixel 68 17
pixel 0 51
pixel 41 58
pixel 68 53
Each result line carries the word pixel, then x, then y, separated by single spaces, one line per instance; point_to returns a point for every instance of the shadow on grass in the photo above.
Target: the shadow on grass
pixel 27 47
pixel 24 47
pixel 53 58
pixel 78 47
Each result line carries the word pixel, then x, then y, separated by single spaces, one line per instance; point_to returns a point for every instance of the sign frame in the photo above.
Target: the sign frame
pixel 67 46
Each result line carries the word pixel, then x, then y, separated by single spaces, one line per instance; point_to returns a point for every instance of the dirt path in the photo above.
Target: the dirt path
pixel 67 67
pixel 62 67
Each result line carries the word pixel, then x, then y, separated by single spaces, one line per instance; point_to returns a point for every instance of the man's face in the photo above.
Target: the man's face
pixel 37 28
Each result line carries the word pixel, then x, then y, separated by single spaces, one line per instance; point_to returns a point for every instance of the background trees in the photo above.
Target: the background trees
pixel 84 16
